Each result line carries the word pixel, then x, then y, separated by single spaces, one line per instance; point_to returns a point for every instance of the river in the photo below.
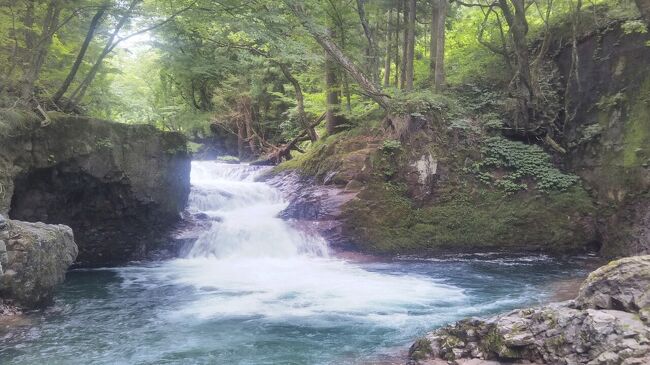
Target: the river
pixel 254 290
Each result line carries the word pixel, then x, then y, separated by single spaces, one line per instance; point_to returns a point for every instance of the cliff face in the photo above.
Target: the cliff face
pixel 33 260
pixel 119 187
pixel 609 134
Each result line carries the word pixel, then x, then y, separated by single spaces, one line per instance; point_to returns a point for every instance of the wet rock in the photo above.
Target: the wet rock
pixel 601 327
pixel 314 207
pixel 33 260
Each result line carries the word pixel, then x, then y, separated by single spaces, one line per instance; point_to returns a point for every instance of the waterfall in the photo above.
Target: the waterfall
pixel 243 215
pixel 252 263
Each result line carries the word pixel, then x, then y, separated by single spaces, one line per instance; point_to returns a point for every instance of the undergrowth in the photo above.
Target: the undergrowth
pixel 518 163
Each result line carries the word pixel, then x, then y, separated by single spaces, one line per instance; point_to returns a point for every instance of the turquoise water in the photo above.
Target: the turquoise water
pixel 254 290
pixel 143 315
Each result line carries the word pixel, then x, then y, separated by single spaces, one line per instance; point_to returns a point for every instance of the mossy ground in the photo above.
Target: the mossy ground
pixel 384 221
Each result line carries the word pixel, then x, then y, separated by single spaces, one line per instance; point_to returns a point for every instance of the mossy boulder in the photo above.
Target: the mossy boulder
pixel 421 195
pixel 384 220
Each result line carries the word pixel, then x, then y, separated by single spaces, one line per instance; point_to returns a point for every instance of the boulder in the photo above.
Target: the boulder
pixel 120 187
pixel 622 285
pixel 33 260
pixel 601 327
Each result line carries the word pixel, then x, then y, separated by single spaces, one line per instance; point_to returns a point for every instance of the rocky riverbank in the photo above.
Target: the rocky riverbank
pixel 608 323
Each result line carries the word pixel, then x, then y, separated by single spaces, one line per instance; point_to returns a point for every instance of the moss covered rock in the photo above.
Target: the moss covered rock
pixel 383 220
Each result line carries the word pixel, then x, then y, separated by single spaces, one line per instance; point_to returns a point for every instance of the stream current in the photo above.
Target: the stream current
pixel 254 290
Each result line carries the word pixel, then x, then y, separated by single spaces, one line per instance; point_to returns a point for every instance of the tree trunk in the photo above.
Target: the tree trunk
pixel 80 91
pixel 411 45
pixel 525 92
pixel 94 23
pixel 40 49
pixel 247 114
pixel 240 139
pixel 405 45
pixel 439 74
pixel 397 34
pixel 371 89
pixel 333 89
pixel 389 48
pixel 300 101
pixel 371 49
pixel 644 9
pixel 435 10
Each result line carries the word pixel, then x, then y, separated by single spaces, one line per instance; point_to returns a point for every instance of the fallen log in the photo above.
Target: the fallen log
pixel 284 151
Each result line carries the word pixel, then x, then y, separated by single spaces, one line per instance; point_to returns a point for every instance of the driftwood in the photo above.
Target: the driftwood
pixel 283 152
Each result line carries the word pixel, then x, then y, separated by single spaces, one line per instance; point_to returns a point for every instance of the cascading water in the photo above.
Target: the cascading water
pixel 253 290
pixel 244 215
pixel 279 271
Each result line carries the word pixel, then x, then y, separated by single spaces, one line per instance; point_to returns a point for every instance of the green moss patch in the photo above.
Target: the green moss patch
pixel 383 220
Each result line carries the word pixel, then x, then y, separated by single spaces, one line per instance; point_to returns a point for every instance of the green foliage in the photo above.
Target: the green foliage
pixel 513 166
pixel 391 145
pixel 424 102
pixel 635 26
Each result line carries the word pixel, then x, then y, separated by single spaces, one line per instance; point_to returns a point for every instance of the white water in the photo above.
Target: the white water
pixel 272 270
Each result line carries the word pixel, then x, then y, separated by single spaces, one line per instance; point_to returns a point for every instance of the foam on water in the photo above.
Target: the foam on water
pixel 251 263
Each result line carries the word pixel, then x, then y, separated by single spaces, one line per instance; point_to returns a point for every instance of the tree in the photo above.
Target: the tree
pixel 371 49
pixel 94 23
pixel 437 53
pixel 405 44
pixel 371 89
pixel 113 41
pixel 38 47
pixel 389 47
pixel 410 44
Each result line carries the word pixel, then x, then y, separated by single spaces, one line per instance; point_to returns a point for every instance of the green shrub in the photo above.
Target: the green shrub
pixel 519 163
